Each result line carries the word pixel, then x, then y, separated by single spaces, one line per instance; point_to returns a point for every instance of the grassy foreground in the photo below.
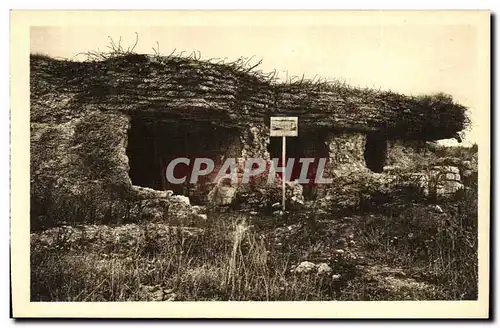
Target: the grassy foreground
pixel 408 253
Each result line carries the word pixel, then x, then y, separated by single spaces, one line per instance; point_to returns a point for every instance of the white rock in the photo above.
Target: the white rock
pixel 467 173
pixel 438 209
pixel 335 277
pixel 196 209
pixel 447 169
pixel 181 199
pixel 467 165
pixel 297 200
pixel 171 297
pixel 222 195
pixel 305 267
pixel 202 216
pixel 323 269
pixel 452 176
pixel 448 188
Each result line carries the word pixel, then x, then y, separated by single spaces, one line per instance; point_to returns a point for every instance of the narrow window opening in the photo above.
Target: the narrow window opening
pixel 376 151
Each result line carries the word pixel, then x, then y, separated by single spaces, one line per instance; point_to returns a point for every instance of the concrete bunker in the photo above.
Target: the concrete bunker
pixel 80 126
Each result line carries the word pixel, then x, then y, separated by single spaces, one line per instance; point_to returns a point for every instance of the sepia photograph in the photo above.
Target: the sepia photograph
pixel 266 157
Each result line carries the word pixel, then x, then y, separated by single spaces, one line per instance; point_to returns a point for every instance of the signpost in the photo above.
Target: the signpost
pixel 282 126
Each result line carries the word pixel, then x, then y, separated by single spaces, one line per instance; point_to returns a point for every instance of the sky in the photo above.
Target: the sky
pixel 406 58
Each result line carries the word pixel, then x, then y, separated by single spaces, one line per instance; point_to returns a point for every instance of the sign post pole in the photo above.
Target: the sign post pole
pixel 284 126
pixel 283 160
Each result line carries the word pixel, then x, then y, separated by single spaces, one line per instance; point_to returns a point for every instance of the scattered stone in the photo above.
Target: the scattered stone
pixel 296 203
pixel 276 206
pixel 222 194
pixel 202 216
pixel 171 297
pixel 323 269
pixel 339 251
pixel 447 169
pixel 278 213
pixel 181 199
pixel 335 277
pixel 437 208
pixel 467 173
pixel 197 209
pixel 305 267
pixel 446 179
pixel 467 165
pixel 448 187
pixel 156 293
pixel 253 213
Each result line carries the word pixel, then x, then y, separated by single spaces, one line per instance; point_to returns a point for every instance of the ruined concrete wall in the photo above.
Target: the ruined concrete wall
pixel 255 140
pixel 80 173
pixel 258 193
pixel 346 154
pixel 251 143
pixel 79 165
pixel 406 153
pixel 233 147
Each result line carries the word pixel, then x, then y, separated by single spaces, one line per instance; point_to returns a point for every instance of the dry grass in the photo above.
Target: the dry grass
pixel 228 261
pixel 403 250
pixel 413 254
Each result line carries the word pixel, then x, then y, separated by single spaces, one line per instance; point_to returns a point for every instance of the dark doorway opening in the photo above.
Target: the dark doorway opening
pixel 376 151
pixel 306 145
pixel 153 144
